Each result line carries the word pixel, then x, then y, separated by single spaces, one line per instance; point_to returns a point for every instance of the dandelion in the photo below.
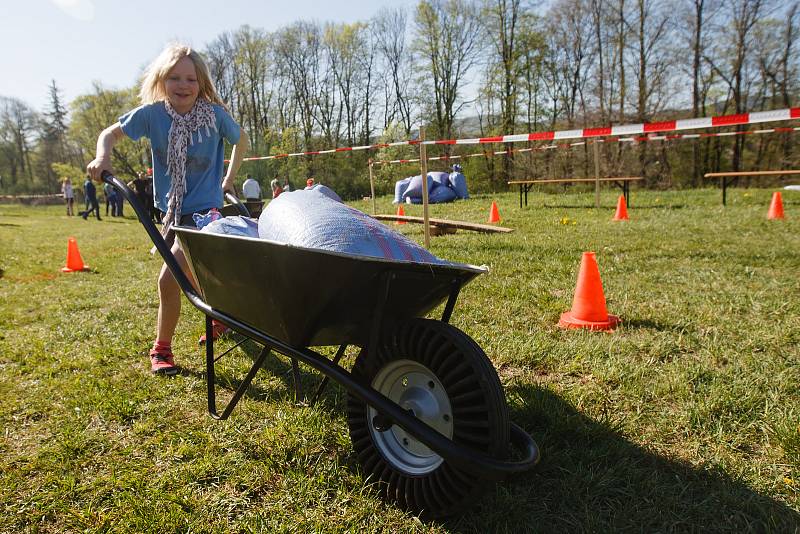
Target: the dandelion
pixel 788 481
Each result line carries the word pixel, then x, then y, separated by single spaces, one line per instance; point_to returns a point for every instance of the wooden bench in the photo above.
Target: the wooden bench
pixel 623 182
pixel 728 178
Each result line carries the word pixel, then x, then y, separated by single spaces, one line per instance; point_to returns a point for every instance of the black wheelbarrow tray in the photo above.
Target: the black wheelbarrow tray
pixel 425 409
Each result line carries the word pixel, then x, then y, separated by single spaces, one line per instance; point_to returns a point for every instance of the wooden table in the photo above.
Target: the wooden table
pixel 728 178
pixel 623 182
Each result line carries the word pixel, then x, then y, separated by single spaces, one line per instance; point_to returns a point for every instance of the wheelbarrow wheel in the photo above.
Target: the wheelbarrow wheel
pixel 441 376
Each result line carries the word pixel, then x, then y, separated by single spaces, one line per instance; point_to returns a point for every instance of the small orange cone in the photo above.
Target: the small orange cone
pixel 74 260
pixel 494 215
pixel 776 206
pixel 622 210
pixel 400 212
pixel 589 304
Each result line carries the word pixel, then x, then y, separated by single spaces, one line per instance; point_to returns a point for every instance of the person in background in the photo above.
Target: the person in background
pixel 119 202
pixel 310 183
pixel 90 192
pixel 139 185
pixel 251 190
pixel 111 199
pixel 276 188
pixel 69 195
pixel 155 213
pixel 187 123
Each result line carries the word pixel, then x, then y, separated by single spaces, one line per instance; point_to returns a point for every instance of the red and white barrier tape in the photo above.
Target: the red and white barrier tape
pixel 585 133
pixel 607 140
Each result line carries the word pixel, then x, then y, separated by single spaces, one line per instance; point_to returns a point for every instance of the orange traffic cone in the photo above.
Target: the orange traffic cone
pixel 494 215
pixel 401 213
pixel 776 206
pixel 622 210
pixel 589 304
pixel 74 260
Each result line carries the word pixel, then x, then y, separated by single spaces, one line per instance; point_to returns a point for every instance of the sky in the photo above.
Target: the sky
pixel 77 42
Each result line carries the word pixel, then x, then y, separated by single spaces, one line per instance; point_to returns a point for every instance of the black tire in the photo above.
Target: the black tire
pixel 426 484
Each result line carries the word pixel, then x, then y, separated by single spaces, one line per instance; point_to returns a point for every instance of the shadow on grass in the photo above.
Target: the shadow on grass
pixel 603 207
pixel 10 224
pixel 276 365
pixel 592 478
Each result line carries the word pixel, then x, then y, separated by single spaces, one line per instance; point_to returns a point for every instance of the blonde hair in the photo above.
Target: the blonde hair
pixel 153 89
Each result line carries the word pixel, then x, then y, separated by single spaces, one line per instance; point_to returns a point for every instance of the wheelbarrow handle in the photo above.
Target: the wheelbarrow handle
pixel 155 236
pixel 240 206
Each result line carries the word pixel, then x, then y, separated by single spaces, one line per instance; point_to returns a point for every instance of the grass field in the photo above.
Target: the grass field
pixel 687 418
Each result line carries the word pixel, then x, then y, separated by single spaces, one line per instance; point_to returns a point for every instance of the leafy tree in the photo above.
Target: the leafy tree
pixel 94 112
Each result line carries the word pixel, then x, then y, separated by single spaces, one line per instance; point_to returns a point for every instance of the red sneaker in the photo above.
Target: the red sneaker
pixel 162 363
pixel 217 331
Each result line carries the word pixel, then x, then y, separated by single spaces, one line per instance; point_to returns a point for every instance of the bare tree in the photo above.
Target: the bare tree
pixel 389 30
pixel 732 59
pixel 448 36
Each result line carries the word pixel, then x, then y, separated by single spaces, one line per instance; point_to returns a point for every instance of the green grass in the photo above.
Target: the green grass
pixel 686 418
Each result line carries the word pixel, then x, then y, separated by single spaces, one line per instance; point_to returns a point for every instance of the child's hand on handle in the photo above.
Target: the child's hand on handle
pixel 228 186
pixel 97 166
pixel 105 143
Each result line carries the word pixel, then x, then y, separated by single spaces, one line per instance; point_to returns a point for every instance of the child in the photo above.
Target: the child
pixel 186 123
pixel 276 188
pixel 69 195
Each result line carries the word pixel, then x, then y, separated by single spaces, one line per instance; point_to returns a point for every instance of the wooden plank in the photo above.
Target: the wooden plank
pixel 444 223
pixel 567 180
pixel 748 173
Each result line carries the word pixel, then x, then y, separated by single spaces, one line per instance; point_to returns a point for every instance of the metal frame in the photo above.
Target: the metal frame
pixel 464 458
pixel 524 187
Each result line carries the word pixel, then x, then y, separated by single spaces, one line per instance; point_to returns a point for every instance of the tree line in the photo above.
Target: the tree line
pixel 465 68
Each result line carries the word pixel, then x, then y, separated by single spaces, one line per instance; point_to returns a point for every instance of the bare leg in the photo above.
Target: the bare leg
pixel 169 295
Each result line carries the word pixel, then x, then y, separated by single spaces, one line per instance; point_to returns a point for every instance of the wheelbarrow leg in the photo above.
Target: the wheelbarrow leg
pixel 324 383
pixel 298 386
pixel 211 376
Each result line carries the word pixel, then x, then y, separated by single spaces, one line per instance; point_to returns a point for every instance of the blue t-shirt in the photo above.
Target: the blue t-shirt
pixel 204 160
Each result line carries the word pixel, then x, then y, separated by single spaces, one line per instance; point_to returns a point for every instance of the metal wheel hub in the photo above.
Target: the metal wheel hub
pixel 416 389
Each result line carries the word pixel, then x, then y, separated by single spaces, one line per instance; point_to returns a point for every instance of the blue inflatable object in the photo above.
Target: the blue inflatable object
pixel 310 219
pixel 415 186
pixel 441 194
pixel 441 178
pixel 459 184
pixel 400 189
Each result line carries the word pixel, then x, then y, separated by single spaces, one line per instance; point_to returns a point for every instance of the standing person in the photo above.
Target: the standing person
pixel 69 195
pixel 186 122
pixel 155 213
pixel 90 192
pixel 139 185
pixel 111 199
pixel 276 188
pixel 251 190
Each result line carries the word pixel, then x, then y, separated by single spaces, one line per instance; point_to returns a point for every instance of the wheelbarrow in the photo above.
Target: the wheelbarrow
pixel 425 409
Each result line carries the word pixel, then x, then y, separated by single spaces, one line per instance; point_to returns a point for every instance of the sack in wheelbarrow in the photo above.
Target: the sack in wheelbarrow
pixel 311 219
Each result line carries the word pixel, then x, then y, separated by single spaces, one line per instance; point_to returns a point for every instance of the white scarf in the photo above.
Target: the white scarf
pixel 180 137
